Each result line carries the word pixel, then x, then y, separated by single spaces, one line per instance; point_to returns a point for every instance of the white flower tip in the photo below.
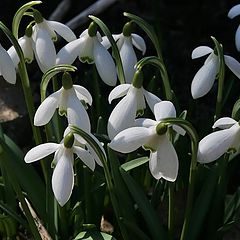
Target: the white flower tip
pixel 234 11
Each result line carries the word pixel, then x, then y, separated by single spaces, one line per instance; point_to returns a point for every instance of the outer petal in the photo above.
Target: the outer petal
pixel 62 30
pixel 151 99
pixel 145 122
pixel 47 108
pixel 45 49
pixel 234 11
pixel 237 38
pixel 204 78
pixel 40 151
pixel 118 91
pixel 223 123
pixel 164 109
pixel 201 51
pixel 7 69
pixel 105 42
pixel 123 114
pixel 69 52
pixel 216 144
pixel 129 59
pixel 139 42
pixel 76 114
pixel 83 94
pixel 232 64
pixel 85 156
pixel 164 162
pixel 63 178
pixel 104 64
pixel 130 139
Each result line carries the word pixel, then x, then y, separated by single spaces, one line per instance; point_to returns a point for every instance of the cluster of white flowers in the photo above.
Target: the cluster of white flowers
pixel 125 130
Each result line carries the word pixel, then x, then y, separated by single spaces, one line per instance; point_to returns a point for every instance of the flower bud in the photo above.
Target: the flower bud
pixel 137 79
pixel 69 140
pixel 67 81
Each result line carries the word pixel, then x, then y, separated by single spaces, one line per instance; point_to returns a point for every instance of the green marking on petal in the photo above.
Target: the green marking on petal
pixel 62 112
pixel 140 112
pixel 87 59
pixel 147 147
pixel 231 150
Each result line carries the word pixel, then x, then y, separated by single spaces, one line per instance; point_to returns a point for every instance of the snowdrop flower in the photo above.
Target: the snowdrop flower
pixel 44 32
pixel 89 49
pixel 26 44
pixel 125 112
pixel 235 11
pixel 125 42
pixel 68 100
pixel 152 135
pixel 7 69
pixel 217 143
pixel 204 78
pixel 63 175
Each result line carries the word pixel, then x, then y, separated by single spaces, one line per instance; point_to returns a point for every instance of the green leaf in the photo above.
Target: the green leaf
pixel 94 235
pixel 116 53
pixel 51 73
pixel 19 14
pixel 236 110
pixel 149 214
pixel 134 163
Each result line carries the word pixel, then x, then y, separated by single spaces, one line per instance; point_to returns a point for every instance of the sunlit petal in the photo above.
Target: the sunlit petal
pixel 118 91
pixel 201 51
pixel 83 94
pixel 164 109
pixel 144 122
pixel 151 99
pixel 232 64
pixel 234 11
pixel 237 38
pixel 138 42
pixel 223 123
pixel 40 151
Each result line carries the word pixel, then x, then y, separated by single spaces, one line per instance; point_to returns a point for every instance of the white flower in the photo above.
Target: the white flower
pixel 152 135
pixel 235 11
pixel 69 102
pixel 7 69
pixel 204 78
pixel 44 32
pixel 217 143
pixel 89 49
pixel 128 56
pixel 63 175
pixel 125 112
pixel 25 43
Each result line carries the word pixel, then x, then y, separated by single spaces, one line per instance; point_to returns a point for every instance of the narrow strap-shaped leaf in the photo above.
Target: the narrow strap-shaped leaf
pixel 134 163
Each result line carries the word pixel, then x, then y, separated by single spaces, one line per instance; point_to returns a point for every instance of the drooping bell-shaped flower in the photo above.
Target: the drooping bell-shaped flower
pixel 44 32
pixel 7 69
pixel 217 143
pixel 89 49
pixel 125 112
pixel 233 12
pixel 152 135
pixel 26 44
pixel 125 42
pixel 63 174
pixel 204 78
pixel 68 101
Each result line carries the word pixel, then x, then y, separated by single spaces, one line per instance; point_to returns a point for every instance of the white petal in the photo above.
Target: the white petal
pixel 86 51
pixel 130 139
pixel 164 162
pixel 141 105
pixel 139 42
pixel 234 11
pixel 94 154
pixel 223 123
pixel 237 38
pixel 145 122
pixel 26 45
pixel 204 78
pixel 7 68
pixel 151 99
pixel 106 43
pixel 179 130
pixel 85 156
pixel 118 91
pixel 201 51
pixel 104 64
pixel 69 52
pixel 13 55
pixel 164 109
pixel 83 94
pixel 232 64
pixel 123 114
pixel 47 108
pixel 76 114
pixel 40 151
pixel 45 48
pixel 63 178
pixel 128 58
pixel 62 30
pixel 216 144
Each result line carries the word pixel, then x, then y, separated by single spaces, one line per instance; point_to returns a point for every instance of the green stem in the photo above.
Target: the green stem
pixel 170 210
pixel 87 195
pixel 63 221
